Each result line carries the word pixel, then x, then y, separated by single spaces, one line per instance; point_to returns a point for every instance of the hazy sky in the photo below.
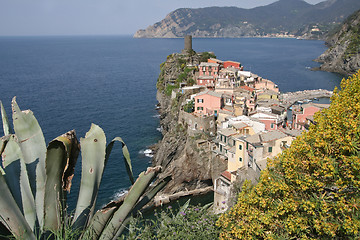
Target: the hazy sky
pixel 96 17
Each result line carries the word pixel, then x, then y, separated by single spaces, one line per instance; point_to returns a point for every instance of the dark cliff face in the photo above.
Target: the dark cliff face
pixel 344 48
pixel 191 166
pixel 284 17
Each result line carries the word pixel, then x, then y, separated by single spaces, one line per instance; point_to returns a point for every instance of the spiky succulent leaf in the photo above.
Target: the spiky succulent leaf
pixel 18 181
pixel 131 199
pixel 10 214
pixel 93 150
pixel 126 156
pixel 33 147
pixel 5 120
pixel 145 200
pixel 61 157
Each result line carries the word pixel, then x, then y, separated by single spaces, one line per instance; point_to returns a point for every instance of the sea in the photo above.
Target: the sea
pixel 70 82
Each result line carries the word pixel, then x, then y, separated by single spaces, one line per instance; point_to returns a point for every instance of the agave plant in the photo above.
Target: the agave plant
pixel 35 180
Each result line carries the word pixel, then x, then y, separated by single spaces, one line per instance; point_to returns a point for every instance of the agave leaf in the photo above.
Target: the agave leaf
pixel 101 217
pixel 148 196
pixel 10 214
pixel 130 200
pixel 3 141
pixel 183 208
pixel 61 157
pixel 99 221
pixel 18 181
pixel 126 156
pixel 93 150
pixel 33 147
pixel 5 120
pixel 143 202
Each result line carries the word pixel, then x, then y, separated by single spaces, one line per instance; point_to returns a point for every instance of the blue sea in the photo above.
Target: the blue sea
pixel 70 82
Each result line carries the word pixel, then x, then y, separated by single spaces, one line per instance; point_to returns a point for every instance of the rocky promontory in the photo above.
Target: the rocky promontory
pixel 344 48
pixel 184 152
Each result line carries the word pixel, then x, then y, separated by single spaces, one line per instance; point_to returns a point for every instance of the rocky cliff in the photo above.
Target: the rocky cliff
pixel 295 18
pixel 179 153
pixel 344 48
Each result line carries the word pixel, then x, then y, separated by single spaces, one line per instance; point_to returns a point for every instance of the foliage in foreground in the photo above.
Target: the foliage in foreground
pixel 188 222
pixel 311 190
pixel 35 179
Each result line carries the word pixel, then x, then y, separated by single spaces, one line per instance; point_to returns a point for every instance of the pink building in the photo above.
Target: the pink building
pixel 261 83
pixel 208 81
pixel 302 113
pixel 271 121
pixel 208 69
pixel 232 64
pixel 208 102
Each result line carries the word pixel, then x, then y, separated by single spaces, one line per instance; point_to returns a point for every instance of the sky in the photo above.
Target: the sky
pixel 96 17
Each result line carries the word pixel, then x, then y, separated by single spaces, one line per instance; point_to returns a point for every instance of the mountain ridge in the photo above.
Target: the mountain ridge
pixel 295 18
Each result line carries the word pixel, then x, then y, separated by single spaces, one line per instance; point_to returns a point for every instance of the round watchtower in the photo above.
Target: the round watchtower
pixel 188 43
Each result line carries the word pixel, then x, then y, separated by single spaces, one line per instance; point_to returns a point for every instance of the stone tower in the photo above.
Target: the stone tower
pixel 188 43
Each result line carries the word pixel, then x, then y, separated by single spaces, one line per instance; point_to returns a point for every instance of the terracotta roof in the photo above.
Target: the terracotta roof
pixel 227 175
pixel 247 88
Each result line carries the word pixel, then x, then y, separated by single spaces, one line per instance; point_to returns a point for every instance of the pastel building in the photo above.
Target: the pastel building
pixel 303 114
pixel 272 121
pixel 232 64
pixel 209 69
pixel 207 81
pixel 208 102
pixel 261 83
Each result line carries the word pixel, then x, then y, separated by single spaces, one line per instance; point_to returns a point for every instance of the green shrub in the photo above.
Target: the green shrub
pixel 170 88
pixel 188 222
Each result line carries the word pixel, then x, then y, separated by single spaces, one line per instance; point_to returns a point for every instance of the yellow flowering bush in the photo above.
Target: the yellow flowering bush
pixel 312 189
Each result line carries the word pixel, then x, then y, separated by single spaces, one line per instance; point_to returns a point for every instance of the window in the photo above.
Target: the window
pixel 240 159
pixel 272 125
pixel 270 149
pixel 221 148
pixel 240 147
pixel 200 108
pixel 200 81
pixel 200 100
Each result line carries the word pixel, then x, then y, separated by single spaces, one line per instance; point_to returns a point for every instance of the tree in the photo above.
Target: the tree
pixel 312 189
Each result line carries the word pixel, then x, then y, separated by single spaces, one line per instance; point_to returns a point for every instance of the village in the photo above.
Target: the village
pixel 247 118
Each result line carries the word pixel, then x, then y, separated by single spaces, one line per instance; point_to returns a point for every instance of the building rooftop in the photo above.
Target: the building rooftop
pixel 211 93
pixel 227 132
pixel 293 132
pixel 206 77
pixel 216 60
pixel 318 105
pixel 266 137
pixel 240 125
pixel 207 64
pixel 247 88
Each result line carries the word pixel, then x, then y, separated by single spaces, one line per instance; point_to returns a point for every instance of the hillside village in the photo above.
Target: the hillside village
pixel 243 114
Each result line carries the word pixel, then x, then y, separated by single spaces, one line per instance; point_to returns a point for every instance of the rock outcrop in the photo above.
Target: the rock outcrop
pixel 190 165
pixel 344 48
